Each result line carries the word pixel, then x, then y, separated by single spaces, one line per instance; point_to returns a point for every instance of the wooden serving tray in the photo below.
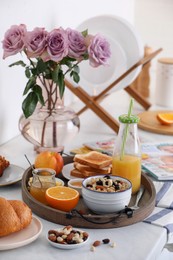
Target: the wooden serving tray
pixel 82 216
pixel 149 122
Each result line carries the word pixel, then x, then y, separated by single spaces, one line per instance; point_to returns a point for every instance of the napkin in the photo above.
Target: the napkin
pixel 162 214
pixel 164 194
pixel 163 218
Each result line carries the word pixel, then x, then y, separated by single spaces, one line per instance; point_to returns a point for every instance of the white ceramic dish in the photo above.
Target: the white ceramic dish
pixel 65 246
pixel 72 184
pixel 126 48
pixel 59 182
pixel 106 202
pixel 23 237
pixel 11 175
pixel 66 171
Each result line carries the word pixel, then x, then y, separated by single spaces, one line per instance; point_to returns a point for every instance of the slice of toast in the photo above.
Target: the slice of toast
pixel 94 159
pixel 87 174
pixel 76 173
pixel 84 168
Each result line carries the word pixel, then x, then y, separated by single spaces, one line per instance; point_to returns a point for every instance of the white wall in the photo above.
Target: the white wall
pixel 48 14
pixel 154 20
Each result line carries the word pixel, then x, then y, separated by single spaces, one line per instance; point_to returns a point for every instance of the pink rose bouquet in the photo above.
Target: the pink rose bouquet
pixel 51 56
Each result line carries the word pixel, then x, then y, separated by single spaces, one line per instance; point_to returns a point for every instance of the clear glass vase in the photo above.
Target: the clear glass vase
pixel 50 129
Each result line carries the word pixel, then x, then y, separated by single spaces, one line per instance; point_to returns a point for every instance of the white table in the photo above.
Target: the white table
pixel 140 241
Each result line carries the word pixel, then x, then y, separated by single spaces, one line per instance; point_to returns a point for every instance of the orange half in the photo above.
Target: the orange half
pixel 165 118
pixel 62 198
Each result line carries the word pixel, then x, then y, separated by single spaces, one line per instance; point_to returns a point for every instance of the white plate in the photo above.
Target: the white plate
pixel 65 246
pixel 126 48
pixel 66 171
pixel 23 237
pixel 11 175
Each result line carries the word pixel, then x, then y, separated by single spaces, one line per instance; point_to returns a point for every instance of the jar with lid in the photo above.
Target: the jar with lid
pixel 127 152
pixel 43 178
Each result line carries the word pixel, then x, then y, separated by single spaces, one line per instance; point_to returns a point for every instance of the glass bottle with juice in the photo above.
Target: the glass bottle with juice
pixel 127 152
pixel 43 178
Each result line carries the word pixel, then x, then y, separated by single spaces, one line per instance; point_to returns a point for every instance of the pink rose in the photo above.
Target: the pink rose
pixel 35 42
pixel 77 45
pixel 13 40
pixel 99 51
pixel 57 45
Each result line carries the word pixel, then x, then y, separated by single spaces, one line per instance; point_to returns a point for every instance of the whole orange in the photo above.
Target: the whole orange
pixel 48 159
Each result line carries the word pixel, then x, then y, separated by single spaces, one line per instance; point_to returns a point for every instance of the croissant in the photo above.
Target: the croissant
pixel 14 216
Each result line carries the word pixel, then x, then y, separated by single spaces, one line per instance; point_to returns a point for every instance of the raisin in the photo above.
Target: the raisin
pixel 117 187
pixel 99 182
pixel 106 241
pixel 107 176
pixel 89 186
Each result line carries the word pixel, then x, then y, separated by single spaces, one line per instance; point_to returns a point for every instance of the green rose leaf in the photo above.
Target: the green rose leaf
pixel 85 33
pixel 30 84
pixel 29 104
pixel 41 66
pixel 76 77
pixel 61 84
pixel 55 74
pixel 20 62
pixel 86 56
pixel 27 72
pixel 38 91
pixel 76 68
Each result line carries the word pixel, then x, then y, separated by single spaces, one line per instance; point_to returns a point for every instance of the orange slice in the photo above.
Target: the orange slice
pixel 165 118
pixel 62 198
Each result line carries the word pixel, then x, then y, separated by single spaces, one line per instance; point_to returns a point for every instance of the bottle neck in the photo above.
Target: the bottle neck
pixel 127 141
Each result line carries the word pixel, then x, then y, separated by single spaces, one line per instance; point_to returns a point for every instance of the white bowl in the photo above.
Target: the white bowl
pixel 59 182
pixel 76 184
pixel 106 202
pixel 67 246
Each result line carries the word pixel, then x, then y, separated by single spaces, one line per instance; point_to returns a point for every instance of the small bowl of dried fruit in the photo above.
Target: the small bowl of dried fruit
pixel 106 194
pixel 67 237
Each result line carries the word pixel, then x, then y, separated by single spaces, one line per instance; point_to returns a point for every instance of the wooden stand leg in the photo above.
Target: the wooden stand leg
pixel 138 97
pixel 94 106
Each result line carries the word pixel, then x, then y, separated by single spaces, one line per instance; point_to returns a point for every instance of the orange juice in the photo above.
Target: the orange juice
pixel 39 192
pixel 43 178
pixel 128 167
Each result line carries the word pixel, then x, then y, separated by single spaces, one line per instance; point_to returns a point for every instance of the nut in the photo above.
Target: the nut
pixel 85 235
pixel 113 244
pixel 70 237
pixel 92 248
pixel 96 243
pixel 52 237
pixel 60 239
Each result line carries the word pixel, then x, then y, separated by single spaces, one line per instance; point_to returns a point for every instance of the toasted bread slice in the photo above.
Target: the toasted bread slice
pixel 87 174
pixel 84 168
pixel 94 159
pixel 76 173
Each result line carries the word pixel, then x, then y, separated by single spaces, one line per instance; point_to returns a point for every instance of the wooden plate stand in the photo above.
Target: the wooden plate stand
pixel 93 102
pixel 83 217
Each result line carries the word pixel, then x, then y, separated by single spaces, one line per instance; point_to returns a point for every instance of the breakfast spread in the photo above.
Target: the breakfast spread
pixel 67 236
pixel 91 164
pixel 106 184
pixel 3 164
pixel 15 215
